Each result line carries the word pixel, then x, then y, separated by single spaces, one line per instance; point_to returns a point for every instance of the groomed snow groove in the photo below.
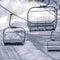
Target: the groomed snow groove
pixel 35 46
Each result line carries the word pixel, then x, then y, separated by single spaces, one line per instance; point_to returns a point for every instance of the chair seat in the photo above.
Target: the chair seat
pixel 53 46
pixel 41 26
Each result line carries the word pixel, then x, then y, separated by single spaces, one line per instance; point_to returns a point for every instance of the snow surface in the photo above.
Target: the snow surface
pixel 35 47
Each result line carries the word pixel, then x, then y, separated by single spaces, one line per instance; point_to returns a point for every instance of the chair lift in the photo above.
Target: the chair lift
pixel 42 18
pixel 54 43
pixel 13 35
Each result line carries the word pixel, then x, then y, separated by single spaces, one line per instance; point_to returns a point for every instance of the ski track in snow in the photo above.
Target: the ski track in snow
pixel 31 50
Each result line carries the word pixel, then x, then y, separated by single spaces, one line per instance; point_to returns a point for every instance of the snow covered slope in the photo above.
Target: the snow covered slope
pixel 35 45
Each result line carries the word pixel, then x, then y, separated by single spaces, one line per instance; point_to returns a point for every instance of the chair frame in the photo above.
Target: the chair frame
pixel 13 27
pixel 43 7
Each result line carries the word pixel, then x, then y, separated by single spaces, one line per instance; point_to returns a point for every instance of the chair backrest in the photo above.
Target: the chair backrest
pixel 42 15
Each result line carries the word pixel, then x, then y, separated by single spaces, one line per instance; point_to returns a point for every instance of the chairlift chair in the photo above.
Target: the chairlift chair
pixel 14 35
pixel 54 43
pixel 53 46
pixel 42 18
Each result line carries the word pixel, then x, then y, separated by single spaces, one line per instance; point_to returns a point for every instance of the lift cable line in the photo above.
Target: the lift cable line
pixel 58 17
pixel 12 13
pixel 56 3
pixel 22 17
